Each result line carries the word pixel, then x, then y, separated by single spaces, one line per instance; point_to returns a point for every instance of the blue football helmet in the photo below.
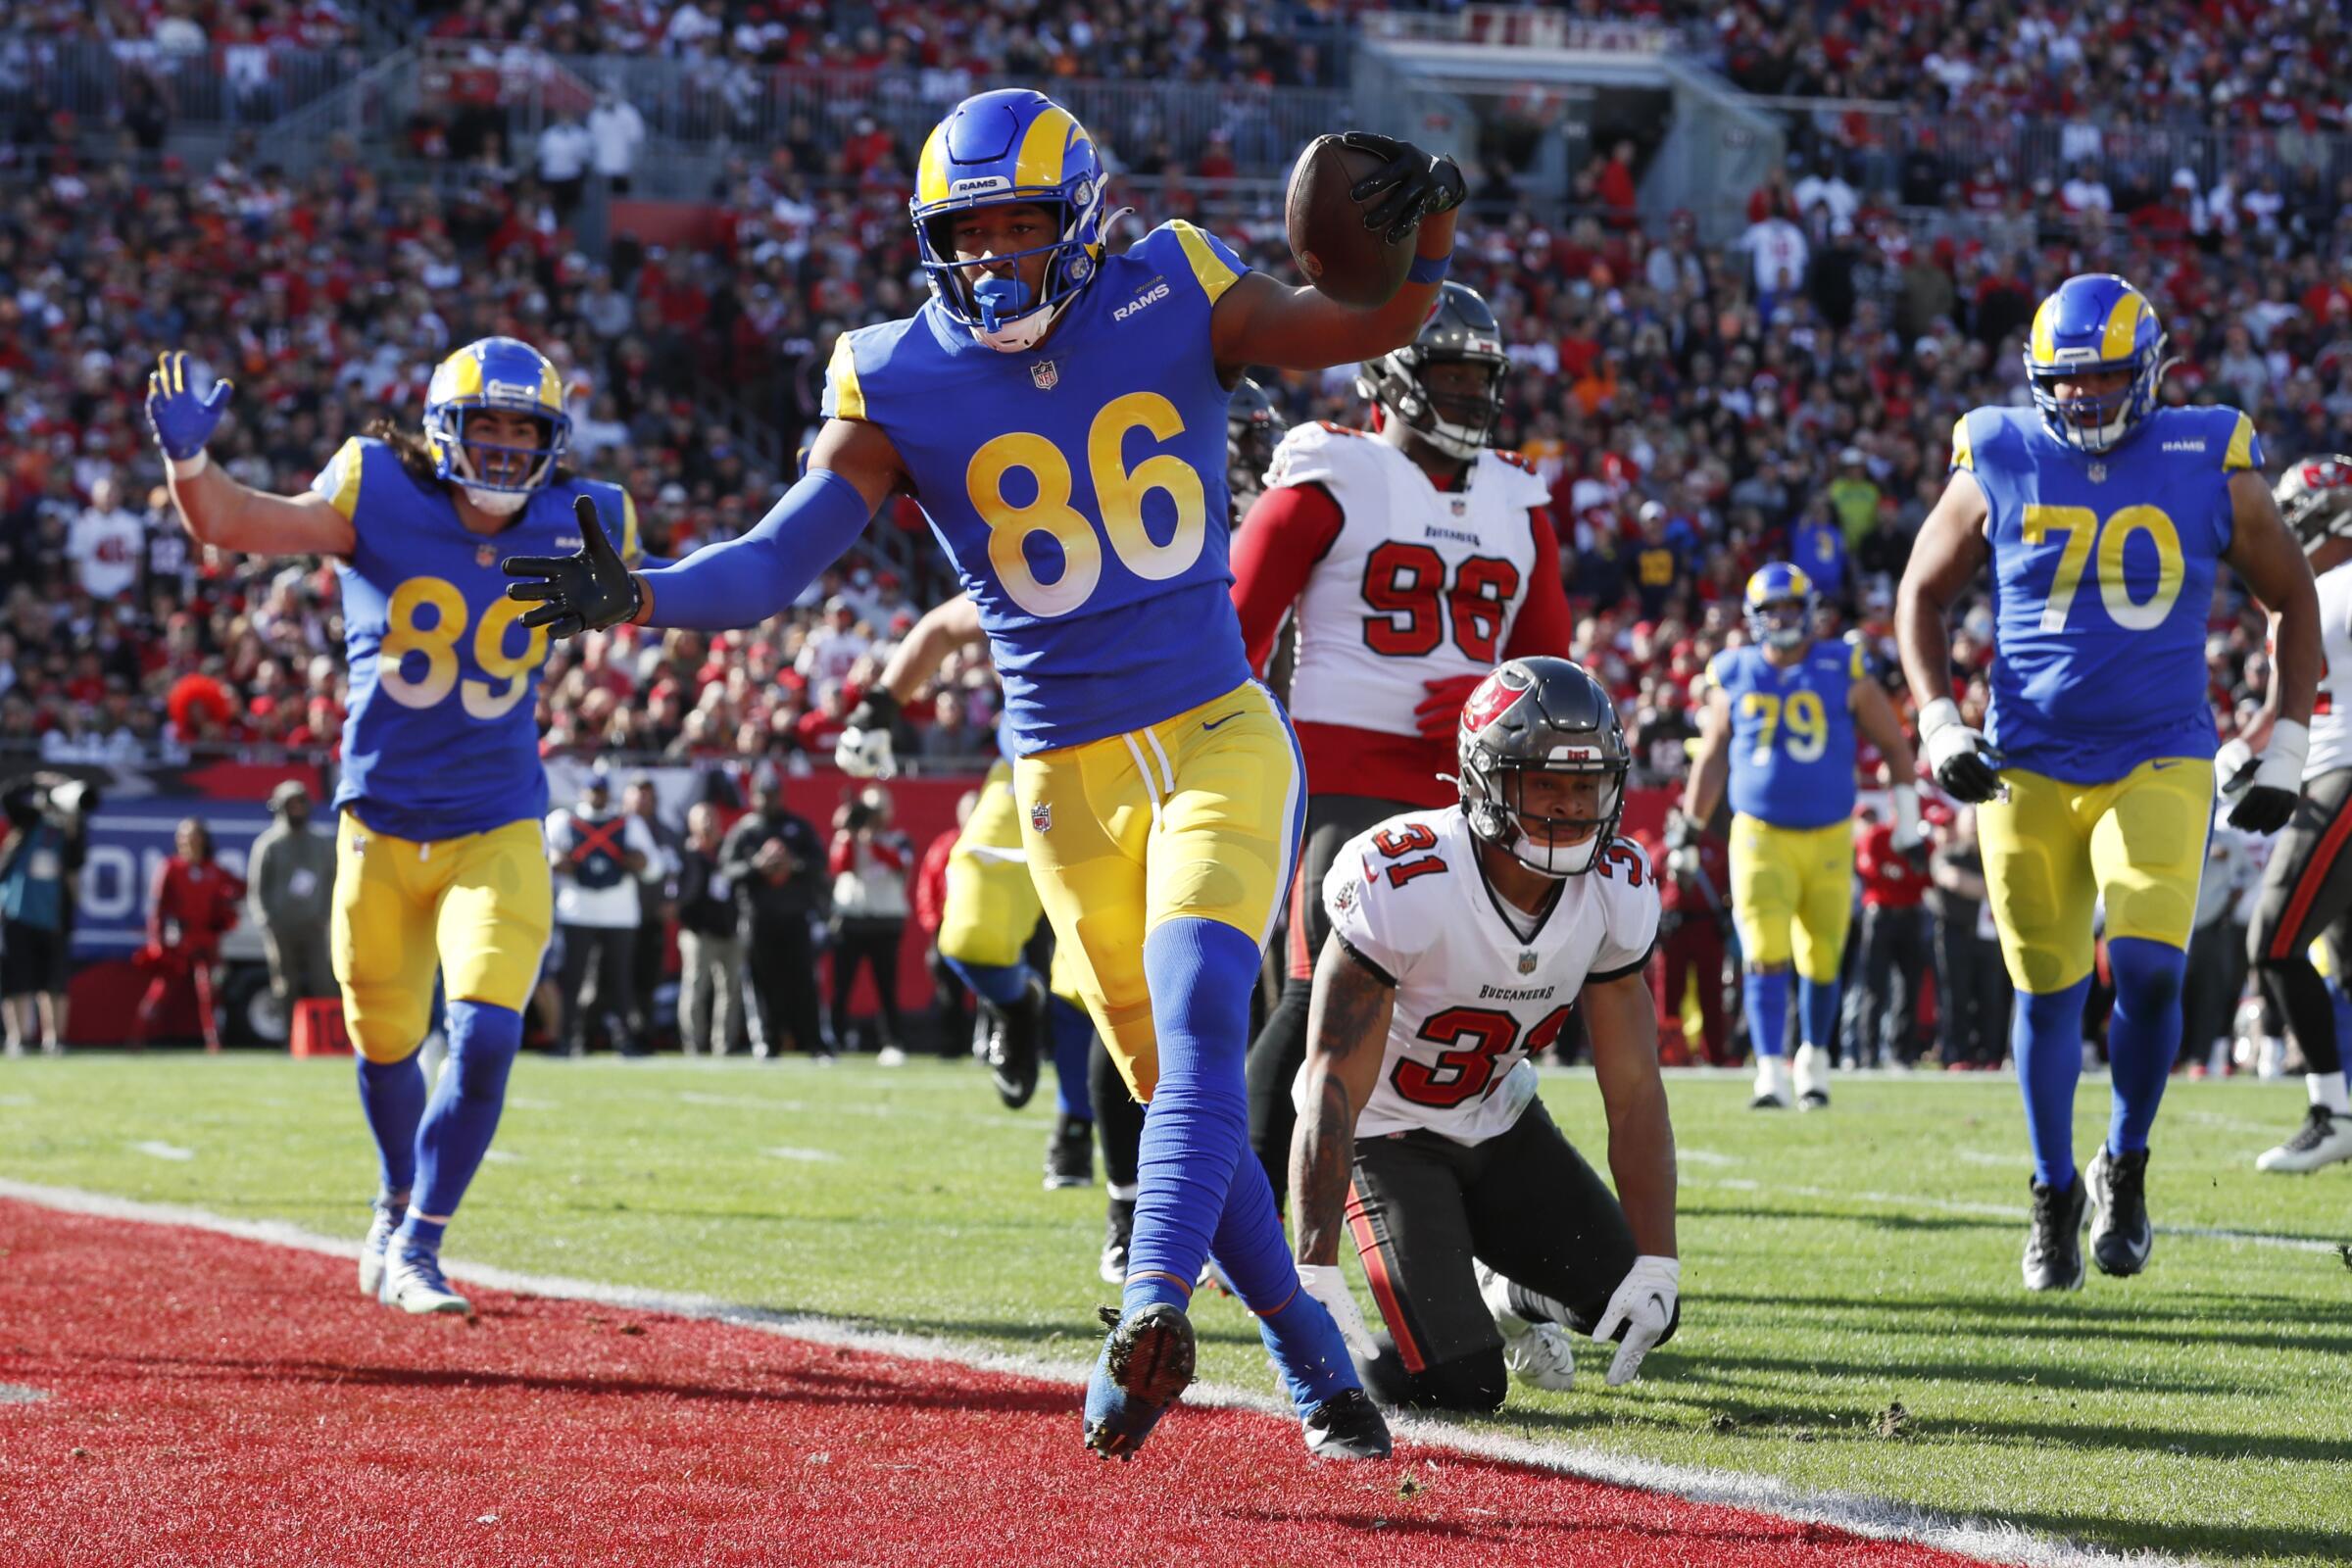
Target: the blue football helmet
pixel 1779 607
pixel 496 373
pixel 997 149
pixel 2095 323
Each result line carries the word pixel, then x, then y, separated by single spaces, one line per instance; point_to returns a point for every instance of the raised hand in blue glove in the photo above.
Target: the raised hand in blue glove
pixel 183 421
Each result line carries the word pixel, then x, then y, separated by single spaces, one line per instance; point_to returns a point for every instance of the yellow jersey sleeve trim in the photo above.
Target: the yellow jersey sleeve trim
pixel 849 398
pixel 1854 663
pixel 1714 676
pixel 1211 269
pixel 1964 451
pixel 351 464
pixel 2241 447
pixel 632 543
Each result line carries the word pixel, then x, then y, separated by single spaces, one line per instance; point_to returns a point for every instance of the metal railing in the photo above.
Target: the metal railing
pixel 234 85
pixel 753 109
pixel 1498 26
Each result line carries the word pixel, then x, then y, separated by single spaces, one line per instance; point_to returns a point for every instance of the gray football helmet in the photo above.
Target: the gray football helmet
pixel 1541 714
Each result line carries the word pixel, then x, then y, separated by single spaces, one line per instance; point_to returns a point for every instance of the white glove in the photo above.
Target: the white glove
pixel 2232 769
pixel 1326 1283
pixel 866 753
pixel 1643 1305
pixel 1907 834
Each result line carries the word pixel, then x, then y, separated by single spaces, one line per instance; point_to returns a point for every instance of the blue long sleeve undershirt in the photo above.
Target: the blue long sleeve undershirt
pixel 745 580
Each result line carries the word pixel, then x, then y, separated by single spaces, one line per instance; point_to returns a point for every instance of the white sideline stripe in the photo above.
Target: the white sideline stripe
pixel 1704 1156
pixel 159 1149
pixel 1942 1205
pixel 1877 1518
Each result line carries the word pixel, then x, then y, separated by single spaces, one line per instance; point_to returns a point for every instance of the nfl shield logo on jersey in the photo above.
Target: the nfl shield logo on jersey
pixel 1526 962
pixel 487 556
pixel 1040 818
pixel 1045 374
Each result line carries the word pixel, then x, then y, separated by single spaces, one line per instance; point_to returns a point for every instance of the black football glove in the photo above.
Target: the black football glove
pixel 580 592
pixel 2256 805
pixel 1418 185
pixel 864 749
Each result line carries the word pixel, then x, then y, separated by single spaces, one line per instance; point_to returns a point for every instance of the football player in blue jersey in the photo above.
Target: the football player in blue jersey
pixel 439 865
pixel 1780 723
pixel 1059 411
pixel 2105 519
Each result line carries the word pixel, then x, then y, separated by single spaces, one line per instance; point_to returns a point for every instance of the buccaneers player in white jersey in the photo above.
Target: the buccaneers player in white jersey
pixel 1413 558
pixel 1459 939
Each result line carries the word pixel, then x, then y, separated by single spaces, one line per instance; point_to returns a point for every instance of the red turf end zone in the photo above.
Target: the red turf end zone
pixel 211 1401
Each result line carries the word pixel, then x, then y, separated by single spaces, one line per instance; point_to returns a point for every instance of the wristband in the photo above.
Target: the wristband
pixel 1906 811
pixel 1935 716
pixel 188 467
pixel 1429 268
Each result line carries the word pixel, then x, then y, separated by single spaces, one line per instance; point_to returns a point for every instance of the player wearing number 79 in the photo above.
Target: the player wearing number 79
pixel 2105 519
pixel 1059 411
pixel 439 863
pixel 1780 723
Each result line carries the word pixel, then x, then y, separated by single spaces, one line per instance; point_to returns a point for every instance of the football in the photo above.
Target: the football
pixel 1342 257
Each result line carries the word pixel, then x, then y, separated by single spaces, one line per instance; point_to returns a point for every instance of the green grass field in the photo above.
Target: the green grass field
pixel 1835 1265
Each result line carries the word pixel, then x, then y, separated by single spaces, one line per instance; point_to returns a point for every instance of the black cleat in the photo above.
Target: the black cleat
pixel 1070 1153
pixel 2121 1236
pixel 1012 1037
pixel 2054 1241
pixel 1813 1100
pixel 1146 1364
pixel 1768 1103
pixel 1118 1230
pixel 1347 1426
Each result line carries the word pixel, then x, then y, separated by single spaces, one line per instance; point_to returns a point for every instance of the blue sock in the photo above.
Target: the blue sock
pixel 1073 1042
pixel 1000 982
pixel 482 1041
pixel 2047 1040
pixel 1306 1345
pixel 1765 1000
pixel 392 1094
pixel 1817 1012
pixel 1196 1131
pixel 2144 1035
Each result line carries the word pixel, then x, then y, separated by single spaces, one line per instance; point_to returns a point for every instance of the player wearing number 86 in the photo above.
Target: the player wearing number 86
pixel 439 862
pixel 1059 411
pixel 1780 723
pixel 2105 519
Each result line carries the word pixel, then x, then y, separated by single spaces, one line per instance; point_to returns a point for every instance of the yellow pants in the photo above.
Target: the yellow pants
pixel 477 909
pixel 1792 895
pixel 1195 817
pixel 2054 851
pixel 990 906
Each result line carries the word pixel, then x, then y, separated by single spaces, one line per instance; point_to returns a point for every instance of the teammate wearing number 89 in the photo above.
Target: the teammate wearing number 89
pixel 1780 725
pixel 2105 519
pixel 1059 414
pixel 439 860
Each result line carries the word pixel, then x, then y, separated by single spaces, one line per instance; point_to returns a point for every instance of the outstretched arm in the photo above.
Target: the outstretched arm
pixel 216 510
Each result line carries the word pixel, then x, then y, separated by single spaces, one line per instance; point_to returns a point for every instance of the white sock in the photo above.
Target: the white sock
pixel 1772 1076
pixel 2327 1089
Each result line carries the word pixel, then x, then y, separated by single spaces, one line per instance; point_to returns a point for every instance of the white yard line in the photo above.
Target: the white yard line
pixel 1942 1205
pixel 805 1157
pixel 1877 1518
pixel 155 1148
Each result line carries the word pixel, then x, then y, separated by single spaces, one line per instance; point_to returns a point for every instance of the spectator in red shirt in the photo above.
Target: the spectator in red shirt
pixel 1694 884
pixel 870 860
pixel 192 907
pixel 1895 950
pixel 951 997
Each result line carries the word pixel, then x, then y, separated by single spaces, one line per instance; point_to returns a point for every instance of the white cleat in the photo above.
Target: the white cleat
pixel 1812 1078
pixel 2325 1137
pixel 1540 1355
pixel 414 1283
pixel 1772 1085
pixel 388 1215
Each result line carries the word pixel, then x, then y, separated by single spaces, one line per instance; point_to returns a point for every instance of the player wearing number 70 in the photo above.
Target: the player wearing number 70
pixel 2105 519
pixel 1058 412
pixel 439 863
pixel 1779 721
